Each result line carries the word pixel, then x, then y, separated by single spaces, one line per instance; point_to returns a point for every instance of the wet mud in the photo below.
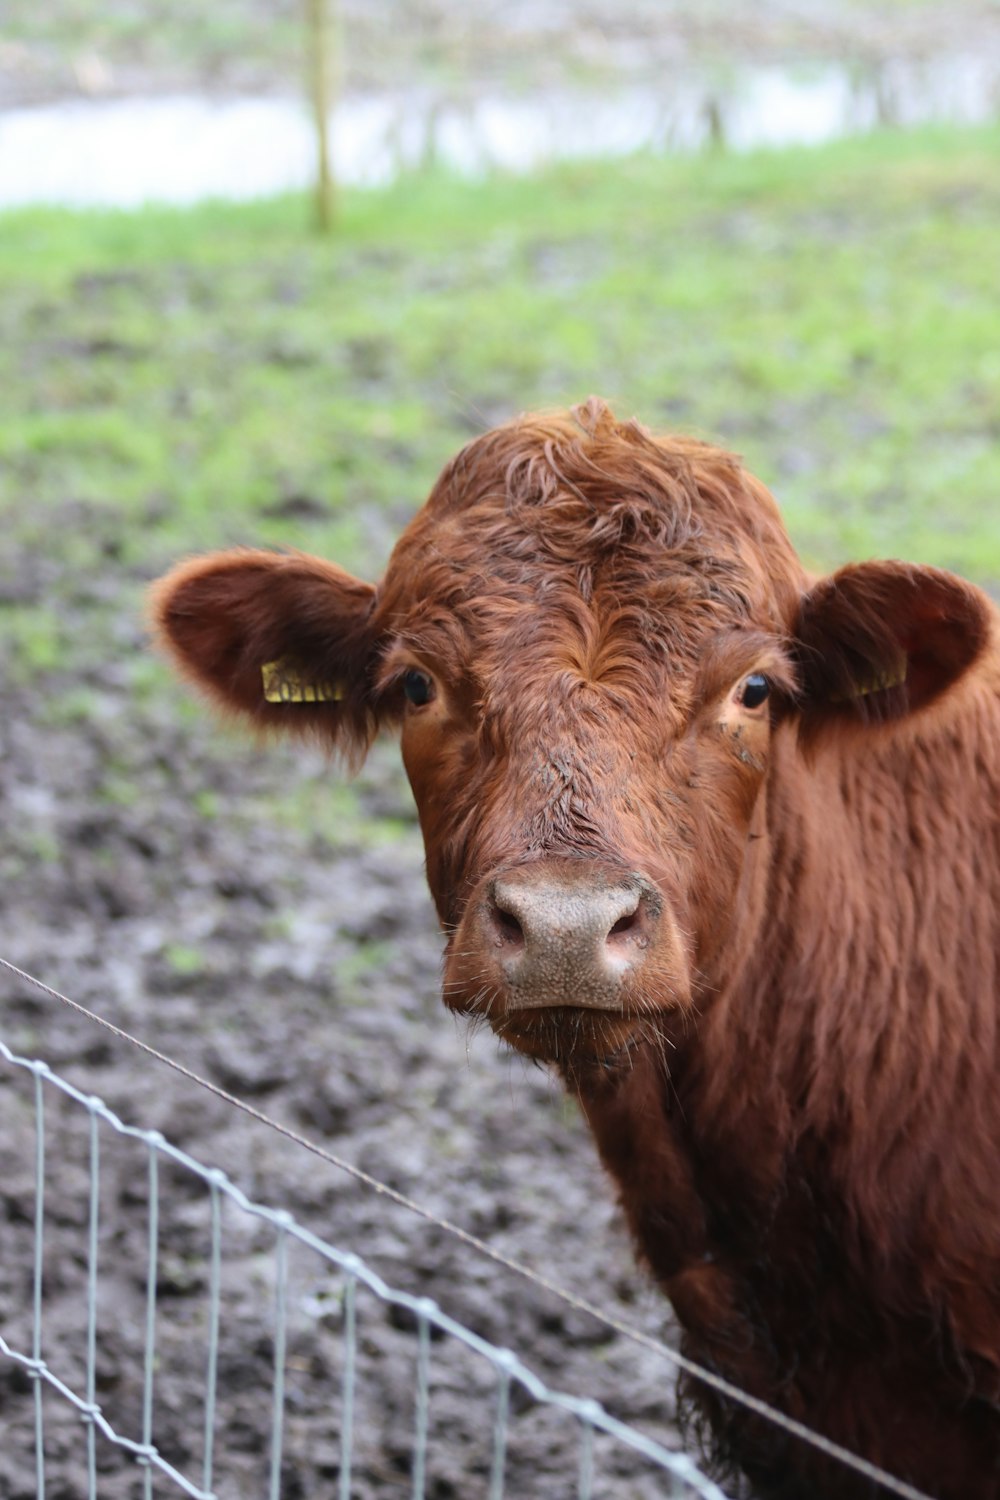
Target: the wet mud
pixel 176 880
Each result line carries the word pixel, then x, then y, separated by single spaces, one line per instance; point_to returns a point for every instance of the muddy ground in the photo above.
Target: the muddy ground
pixel 299 970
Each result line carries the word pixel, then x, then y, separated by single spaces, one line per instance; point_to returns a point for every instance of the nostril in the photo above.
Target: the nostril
pixel 625 924
pixel 509 926
pixel 631 930
pixel 507 930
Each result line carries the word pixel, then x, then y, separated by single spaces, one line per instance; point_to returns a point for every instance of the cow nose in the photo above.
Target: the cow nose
pixel 565 939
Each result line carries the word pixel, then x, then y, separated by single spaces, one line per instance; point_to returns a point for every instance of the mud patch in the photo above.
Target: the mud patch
pixel 192 889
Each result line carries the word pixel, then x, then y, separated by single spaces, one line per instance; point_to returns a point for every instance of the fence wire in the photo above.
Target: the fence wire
pixel 349 1293
pixel 850 1461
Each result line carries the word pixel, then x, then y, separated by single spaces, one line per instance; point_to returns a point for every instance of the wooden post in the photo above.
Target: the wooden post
pixel 319 45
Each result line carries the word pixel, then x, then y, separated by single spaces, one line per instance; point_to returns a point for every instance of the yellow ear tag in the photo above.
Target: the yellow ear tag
pixel 890 678
pixel 283 684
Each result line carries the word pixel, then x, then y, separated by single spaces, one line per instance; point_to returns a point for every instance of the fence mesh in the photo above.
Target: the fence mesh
pixel 138 1365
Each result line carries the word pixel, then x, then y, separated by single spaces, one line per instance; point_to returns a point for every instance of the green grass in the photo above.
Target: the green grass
pixel 833 314
pixel 178 380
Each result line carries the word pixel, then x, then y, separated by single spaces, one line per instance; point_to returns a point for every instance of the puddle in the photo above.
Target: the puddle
pixel 180 148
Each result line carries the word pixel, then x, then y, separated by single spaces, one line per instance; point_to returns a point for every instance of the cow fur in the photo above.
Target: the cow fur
pixel 798 1101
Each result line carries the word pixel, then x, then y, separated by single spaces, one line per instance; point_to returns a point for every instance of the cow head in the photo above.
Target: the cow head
pixel 590 639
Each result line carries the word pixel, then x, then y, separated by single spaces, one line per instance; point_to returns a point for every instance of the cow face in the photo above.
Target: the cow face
pixel 589 639
pixel 587 673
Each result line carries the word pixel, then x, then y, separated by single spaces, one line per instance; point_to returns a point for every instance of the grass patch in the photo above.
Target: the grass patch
pixel 328 810
pixel 181 379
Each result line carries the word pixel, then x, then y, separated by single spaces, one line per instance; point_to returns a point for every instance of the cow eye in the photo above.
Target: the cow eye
pixel 756 690
pixel 418 688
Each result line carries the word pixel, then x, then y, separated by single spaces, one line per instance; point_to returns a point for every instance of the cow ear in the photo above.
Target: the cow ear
pixel 282 639
pixel 879 640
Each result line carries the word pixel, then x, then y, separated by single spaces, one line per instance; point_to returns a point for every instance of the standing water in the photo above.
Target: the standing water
pixel 181 148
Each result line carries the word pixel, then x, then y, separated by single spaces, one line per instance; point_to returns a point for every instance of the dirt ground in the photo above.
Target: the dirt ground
pixel 300 971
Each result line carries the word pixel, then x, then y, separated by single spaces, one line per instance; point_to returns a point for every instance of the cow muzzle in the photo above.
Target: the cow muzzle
pixel 565 937
pixel 567 958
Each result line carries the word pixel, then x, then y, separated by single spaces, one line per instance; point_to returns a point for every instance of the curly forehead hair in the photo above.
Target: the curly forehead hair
pixel 587 491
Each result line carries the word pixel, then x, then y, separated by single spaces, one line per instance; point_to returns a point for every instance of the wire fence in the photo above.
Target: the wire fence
pixel 306 1408
pixel 127 1418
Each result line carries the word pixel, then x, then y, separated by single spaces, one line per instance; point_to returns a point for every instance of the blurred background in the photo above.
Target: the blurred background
pixel 774 225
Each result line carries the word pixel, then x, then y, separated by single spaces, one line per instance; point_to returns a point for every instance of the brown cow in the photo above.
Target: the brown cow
pixel 722 844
